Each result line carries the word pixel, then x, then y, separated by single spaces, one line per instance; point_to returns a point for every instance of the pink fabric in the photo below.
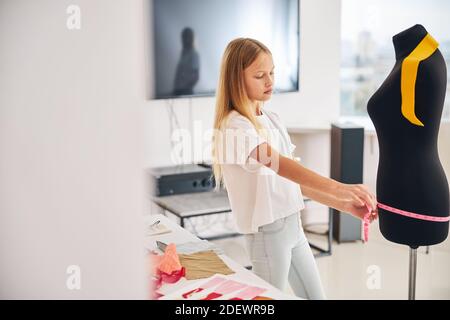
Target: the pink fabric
pixel 169 261
pixel 248 293
pixel 211 283
pixel 167 267
pixel 225 288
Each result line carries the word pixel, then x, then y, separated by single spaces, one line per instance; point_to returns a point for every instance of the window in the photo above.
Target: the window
pixel 367 52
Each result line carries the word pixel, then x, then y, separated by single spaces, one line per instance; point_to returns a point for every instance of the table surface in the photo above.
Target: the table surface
pixel 192 204
pixel 179 235
pixel 199 203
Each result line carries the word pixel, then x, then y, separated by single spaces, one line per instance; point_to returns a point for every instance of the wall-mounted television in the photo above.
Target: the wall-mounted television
pixel 190 37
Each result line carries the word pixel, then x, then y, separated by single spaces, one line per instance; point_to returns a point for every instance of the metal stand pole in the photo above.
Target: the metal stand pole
pixel 412 273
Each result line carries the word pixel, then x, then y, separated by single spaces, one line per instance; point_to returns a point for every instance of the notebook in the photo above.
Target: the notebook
pixel 160 228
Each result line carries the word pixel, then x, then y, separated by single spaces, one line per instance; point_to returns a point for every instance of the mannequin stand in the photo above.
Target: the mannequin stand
pixel 412 273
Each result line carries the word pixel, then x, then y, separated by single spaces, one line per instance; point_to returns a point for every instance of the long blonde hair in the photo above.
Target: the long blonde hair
pixel 231 94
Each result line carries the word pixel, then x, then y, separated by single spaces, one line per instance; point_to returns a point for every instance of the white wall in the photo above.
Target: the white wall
pixel 70 145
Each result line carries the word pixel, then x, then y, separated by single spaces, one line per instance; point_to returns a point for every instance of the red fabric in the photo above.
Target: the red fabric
pixel 162 277
pixel 212 295
pixel 158 295
pixel 166 268
pixel 187 294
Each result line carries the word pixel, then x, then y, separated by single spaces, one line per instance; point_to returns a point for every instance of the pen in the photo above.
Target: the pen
pixel 154 224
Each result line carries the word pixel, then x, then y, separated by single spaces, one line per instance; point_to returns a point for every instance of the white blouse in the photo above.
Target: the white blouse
pixel 257 194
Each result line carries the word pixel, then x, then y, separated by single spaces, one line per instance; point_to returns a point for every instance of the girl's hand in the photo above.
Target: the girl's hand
pixel 356 199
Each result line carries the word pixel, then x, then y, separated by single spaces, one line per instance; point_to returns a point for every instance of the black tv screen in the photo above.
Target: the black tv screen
pixel 190 37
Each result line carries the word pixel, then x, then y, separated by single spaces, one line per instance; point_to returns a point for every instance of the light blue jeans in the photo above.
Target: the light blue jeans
pixel 280 252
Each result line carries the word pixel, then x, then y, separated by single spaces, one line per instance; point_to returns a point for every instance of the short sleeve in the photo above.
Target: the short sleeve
pixel 240 139
pixel 291 146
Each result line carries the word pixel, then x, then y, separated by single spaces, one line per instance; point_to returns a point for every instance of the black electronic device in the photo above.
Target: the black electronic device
pixel 178 179
pixel 347 154
pixel 189 37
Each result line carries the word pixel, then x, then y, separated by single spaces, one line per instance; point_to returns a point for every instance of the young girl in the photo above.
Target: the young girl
pixel 252 157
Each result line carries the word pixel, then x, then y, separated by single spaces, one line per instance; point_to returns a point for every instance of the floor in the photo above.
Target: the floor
pixel 375 270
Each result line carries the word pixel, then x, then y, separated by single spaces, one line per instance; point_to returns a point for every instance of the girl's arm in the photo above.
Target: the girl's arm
pixel 351 198
pixel 345 204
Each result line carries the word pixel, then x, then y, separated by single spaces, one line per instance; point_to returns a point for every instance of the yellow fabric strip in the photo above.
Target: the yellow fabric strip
pixel 410 65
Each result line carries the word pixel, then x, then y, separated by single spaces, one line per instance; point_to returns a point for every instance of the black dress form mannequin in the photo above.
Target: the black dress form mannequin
pixel 410 176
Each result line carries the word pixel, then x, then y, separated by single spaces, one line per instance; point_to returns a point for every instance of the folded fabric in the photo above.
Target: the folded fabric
pixel 248 293
pixel 209 284
pixel 173 277
pixel 167 267
pixel 220 287
pixel 169 261
pixel 203 264
pixel 227 287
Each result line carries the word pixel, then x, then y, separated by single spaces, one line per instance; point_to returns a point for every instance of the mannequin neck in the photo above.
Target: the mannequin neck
pixel 407 40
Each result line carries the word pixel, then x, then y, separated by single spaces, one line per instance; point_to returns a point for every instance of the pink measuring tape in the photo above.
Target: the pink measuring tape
pixel 366 222
pixel 413 215
pixel 408 214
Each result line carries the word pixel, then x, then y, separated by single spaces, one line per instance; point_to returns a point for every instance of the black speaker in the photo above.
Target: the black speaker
pixel 347 151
